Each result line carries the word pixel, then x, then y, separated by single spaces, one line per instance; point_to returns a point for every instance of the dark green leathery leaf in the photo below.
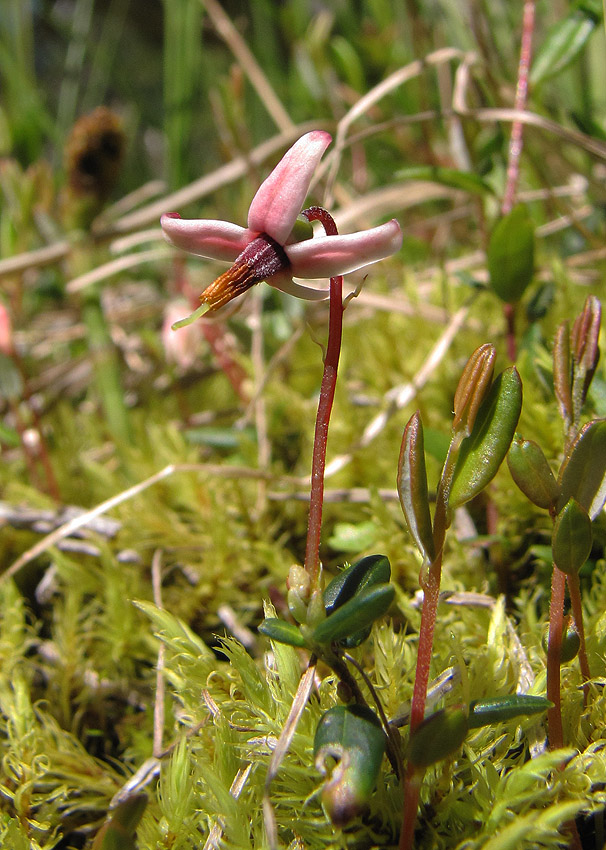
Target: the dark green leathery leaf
pixel 119 831
pixel 437 737
pixel 572 537
pixel 531 472
pixel 368 571
pixel 412 486
pixel 282 632
pixel 583 473
pixel 511 255
pixel 352 735
pixel 485 712
pixel 355 615
pixel 485 449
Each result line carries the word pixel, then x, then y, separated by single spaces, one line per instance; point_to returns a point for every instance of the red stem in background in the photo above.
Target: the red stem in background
pixel 554 648
pixel 327 394
pixel 515 148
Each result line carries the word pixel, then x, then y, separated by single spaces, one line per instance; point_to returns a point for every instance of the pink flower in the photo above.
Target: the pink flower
pixel 266 250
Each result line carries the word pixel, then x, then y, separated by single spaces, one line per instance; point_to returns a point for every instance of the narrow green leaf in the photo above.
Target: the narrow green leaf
pixel 511 255
pixel 583 473
pixel 485 449
pixel 354 616
pixel 412 486
pixel 464 180
pixel 353 735
pixel 282 632
pixel 437 737
pixel 531 472
pixel 572 537
pixel 563 43
pixel 368 571
pixel 485 712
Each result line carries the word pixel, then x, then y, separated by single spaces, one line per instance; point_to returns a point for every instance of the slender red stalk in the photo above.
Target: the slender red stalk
pixel 574 590
pixel 554 648
pixel 327 394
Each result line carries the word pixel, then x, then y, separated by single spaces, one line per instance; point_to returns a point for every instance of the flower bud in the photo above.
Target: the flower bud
pixel 473 386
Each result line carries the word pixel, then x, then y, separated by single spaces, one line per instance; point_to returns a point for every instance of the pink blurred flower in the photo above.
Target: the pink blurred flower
pixel 183 348
pixel 6 332
pixel 265 250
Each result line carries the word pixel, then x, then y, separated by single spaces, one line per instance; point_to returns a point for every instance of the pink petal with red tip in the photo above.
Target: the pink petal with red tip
pixel 280 197
pixel 216 240
pixel 327 256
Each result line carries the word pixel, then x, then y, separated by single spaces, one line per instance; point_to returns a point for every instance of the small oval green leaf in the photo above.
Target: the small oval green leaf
pixel 485 449
pixel 437 737
pixel 531 472
pixel 412 486
pixel 368 571
pixel 583 473
pixel 355 615
pixel 485 712
pixel 352 735
pixel 511 255
pixel 572 537
pixel 282 632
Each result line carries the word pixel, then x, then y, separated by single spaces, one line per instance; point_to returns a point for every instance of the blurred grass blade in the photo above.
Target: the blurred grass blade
pixel 182 64
pixel 464 180
pixel 565 41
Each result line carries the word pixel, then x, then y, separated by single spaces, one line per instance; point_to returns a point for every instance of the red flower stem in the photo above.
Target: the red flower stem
pixel 554 648
pixel 327 394
pixel 574 590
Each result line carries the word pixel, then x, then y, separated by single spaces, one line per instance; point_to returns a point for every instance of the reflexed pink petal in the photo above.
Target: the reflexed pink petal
pixel 280 197
pixel 326 256
pixel 284 282
pixel 217 240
